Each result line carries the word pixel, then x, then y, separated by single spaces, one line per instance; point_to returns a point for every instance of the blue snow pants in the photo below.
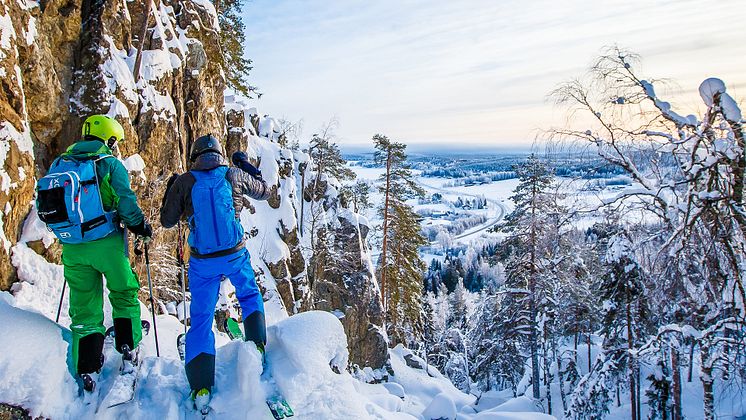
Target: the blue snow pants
pixel 205 275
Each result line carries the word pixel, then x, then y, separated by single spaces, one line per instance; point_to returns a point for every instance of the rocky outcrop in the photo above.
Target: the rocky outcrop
pixel 17 169
pixel 273 224
pixel 344 283
pixel 62 60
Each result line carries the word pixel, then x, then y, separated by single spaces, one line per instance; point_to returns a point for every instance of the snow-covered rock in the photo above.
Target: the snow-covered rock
pixel 34 361
pixel 441 407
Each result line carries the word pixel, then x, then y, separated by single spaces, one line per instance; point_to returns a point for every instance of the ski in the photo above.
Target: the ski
pixel 233 329
pixel 123 389
pixel 278 405
pixel 181 346
pixel 276 402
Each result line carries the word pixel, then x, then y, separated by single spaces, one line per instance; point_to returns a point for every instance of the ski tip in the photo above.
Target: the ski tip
pixel 279 408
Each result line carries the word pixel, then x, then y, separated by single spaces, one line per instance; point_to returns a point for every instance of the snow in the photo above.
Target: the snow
pixel 709 88
pixel 134 163
pixel 35 230
pixel 118 109
pixel 34 362
pixel 117 73
pixel 714 86
pixel 306 355
pixel 162 105
pixel 40 283
pixel 31 33
pixel 730 108
pixel 7 32
pixel 210 8
pixel 156 64
pixel 441 407
pixel 22 139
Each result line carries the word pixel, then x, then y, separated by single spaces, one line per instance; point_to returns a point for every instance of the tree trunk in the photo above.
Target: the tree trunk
pixel 631 367
pixel 532 300
pixel 561 375
pixel 726 354
pixel 638 389
pixel 589 351
pixel 576 348
pixel 691 362
pixel 384 245
pixel 547 376
pixel 676 386
pixel 705 375
pixel 302 197
pixel 618 395
pixel 143 34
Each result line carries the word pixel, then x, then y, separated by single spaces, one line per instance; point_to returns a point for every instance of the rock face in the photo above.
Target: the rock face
pixel 346 286
pixel 289 267
pixel 62 60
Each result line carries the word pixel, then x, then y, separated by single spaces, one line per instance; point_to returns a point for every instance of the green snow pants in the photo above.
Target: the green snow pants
pixel 84 265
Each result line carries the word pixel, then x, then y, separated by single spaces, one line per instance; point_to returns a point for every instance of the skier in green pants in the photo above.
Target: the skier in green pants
pixel 100 248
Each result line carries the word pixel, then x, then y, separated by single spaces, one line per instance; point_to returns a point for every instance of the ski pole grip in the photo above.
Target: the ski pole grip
pixel 138 250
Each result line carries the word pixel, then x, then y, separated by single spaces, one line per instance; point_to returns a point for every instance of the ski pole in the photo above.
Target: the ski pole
pixel 62 297
pixel 180 256
pixel 152 302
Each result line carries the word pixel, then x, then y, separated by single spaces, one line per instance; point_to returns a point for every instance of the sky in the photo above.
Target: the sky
pixel 473 73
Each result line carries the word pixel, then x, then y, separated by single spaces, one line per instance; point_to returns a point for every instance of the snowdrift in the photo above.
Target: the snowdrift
pixel 306 355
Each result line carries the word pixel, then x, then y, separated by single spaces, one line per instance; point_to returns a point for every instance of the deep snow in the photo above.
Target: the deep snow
pixel 304 354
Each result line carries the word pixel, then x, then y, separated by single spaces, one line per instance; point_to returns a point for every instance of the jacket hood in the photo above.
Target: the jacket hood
pixel 209 160
pixel 87 147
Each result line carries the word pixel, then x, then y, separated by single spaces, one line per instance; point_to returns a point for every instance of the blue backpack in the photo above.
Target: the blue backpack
pixel 68 200
pixel 213 226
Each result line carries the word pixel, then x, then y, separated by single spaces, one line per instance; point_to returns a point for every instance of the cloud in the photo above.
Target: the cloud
pixel 483 66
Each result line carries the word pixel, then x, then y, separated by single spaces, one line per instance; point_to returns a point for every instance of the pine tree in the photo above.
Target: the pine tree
pixel 527 224
pixel 328 159
pixel 232 41
pixel 659 392
pixel 625 311
pixel 358 194
pixel 457 316
pixel 400 268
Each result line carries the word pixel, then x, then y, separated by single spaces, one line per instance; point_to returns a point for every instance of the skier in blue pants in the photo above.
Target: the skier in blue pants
pixel 204 282
pixel 210 198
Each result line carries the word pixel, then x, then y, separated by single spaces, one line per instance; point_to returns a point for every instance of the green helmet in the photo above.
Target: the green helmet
pixel 105 128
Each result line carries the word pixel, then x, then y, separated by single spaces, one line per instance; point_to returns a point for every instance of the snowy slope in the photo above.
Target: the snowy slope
pixel 304 352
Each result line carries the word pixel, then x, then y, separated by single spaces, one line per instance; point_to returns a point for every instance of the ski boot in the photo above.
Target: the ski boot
pixel 201 400
pixel 130 359
pixel 88 380
pixel 232 328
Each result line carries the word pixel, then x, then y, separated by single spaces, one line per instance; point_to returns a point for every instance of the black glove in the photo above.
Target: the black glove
pixel 169 184
pixel 143 229
pixel 171 181
pixel 242 161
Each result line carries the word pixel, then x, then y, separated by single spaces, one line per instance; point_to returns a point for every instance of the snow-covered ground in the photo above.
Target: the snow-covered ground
pixel 304 352
pixel 306 355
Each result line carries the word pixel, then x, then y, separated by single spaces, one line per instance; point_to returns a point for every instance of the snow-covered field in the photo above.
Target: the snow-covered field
pixel 441 211
pixel 578 198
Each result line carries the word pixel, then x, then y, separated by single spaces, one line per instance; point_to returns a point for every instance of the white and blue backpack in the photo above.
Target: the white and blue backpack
pixel 68 200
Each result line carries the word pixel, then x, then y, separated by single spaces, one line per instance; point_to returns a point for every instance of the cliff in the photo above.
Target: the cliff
pixel 64 60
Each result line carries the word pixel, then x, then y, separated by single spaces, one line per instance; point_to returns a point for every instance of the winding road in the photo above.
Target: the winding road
pixel 477 229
